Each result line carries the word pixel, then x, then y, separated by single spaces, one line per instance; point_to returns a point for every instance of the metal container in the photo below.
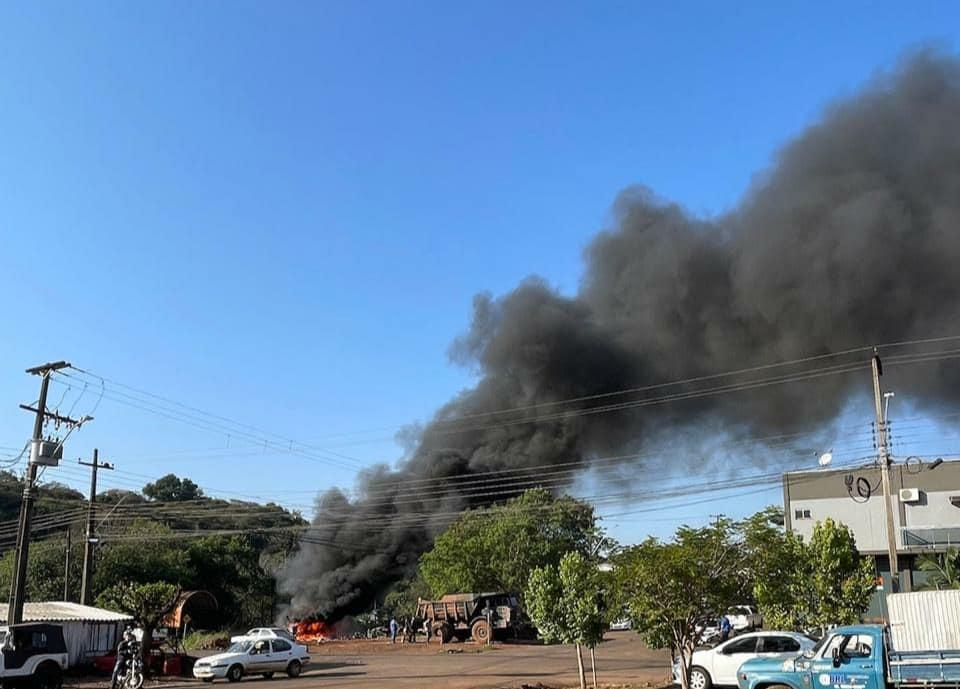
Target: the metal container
pixel 925 621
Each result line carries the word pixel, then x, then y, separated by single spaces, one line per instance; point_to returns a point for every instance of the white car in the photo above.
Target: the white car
pixel 264 633
pixel 744 617
pixel 253 657
pixel 620 625
pixel 719 665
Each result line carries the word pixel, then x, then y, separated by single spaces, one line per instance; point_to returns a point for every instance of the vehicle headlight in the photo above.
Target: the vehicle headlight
pixel 789 665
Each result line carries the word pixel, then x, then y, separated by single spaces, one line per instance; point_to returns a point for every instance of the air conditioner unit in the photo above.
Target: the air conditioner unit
pixel 909 495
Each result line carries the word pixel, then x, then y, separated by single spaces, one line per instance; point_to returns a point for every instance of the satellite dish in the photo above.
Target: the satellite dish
pixel 825 459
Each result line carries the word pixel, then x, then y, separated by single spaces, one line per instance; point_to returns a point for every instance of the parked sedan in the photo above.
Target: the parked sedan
pixel 719 665
pixel 264 633
pixel 253 657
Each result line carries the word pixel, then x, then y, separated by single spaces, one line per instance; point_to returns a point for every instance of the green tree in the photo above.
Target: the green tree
pixel 45 568
pixel 817 584
pixel 566 604
pixel 123 556
pixel 668 587
pixel 402 600
pixel 943 570
pixel 496 548
pixel 147 603
pixel 171 488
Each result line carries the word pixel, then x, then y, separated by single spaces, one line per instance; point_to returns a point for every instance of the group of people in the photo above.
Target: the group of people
pixel 408 629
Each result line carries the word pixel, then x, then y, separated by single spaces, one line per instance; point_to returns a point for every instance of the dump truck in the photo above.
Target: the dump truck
pixel 480 616
pixel 920 648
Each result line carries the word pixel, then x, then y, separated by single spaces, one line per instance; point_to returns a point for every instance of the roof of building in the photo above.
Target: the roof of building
pixel 60 611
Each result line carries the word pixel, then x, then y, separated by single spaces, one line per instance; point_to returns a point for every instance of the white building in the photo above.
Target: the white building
pixel 926 511
pixel 87 631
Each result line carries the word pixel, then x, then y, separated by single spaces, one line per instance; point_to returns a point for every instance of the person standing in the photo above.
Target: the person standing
pixel 393 630
pixel 725 628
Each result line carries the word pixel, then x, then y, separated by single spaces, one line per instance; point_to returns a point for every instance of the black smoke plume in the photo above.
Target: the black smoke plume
pixel 851 238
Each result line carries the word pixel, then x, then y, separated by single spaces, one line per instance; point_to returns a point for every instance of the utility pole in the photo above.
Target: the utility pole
pixel 90 540
pixel 18 585
pixel 883 458
pixel 66 570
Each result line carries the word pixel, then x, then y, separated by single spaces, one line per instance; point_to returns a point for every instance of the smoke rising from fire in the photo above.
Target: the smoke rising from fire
pixel 851 238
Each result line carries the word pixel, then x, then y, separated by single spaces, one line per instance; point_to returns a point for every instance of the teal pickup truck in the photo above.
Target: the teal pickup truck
pixel 920 648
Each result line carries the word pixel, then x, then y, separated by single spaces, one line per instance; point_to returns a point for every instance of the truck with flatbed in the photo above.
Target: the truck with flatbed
pixel 919 648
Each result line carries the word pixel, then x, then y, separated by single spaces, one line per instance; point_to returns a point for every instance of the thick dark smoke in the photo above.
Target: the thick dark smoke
pixel 852 238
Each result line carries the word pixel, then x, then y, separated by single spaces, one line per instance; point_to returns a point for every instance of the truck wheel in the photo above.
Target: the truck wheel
pixel 700 678
pixel 48 676
pixel 235 673
pixel 293 669
pixel 480 631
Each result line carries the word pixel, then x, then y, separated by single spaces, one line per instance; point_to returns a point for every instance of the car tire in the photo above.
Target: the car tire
pixel 48 676
pixel 700 678
pixel 294 668
pixel 268 675
pixel 235 673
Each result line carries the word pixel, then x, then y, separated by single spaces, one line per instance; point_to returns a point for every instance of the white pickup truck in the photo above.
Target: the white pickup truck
pixel 33 654
pixel 744 618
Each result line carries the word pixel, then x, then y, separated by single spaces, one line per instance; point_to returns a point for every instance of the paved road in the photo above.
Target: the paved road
pixel 622 659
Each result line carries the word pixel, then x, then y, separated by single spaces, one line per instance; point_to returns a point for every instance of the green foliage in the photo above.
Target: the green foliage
pixel 45 568
pixel 818 584
pixel 402 599
pixel 496 548
pixel 147 603
pixel 667 587
pixel 171 488
pixel 140 553
pixel 566 602
pixel 943 570
pixel 237 569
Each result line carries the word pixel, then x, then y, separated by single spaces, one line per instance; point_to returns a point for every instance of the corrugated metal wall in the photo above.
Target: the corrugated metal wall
pixel 85 640
pixel 925 621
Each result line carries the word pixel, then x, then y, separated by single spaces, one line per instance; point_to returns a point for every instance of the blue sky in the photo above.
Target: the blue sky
pixel 280 212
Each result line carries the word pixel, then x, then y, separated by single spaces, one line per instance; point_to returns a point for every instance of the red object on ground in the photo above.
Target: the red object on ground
pixel 173 665
pixel 105 662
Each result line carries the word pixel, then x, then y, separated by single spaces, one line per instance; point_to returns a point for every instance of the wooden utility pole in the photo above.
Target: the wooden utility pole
pixel 90 540
pixel 18 584
pixel 883 458
pixel 66 570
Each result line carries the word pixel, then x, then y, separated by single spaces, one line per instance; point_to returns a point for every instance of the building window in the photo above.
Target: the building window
pixel 801 514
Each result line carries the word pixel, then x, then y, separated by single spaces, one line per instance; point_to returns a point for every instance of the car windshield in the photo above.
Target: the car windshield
pixel 240 647
pixel 815 651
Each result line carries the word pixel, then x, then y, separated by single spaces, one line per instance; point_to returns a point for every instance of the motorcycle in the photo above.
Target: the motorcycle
pixel 131 674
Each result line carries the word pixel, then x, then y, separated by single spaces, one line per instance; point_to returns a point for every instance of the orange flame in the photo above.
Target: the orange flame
pixel 312 632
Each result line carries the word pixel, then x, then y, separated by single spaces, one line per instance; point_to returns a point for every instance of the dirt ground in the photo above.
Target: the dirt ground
pixel 622 661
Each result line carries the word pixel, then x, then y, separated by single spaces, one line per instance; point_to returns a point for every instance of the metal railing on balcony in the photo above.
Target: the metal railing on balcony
pixel 930 537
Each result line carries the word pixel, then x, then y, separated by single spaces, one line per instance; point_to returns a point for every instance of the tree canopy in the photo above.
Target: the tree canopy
pixel 172 488
pixel 817 584
pixel 668 587
pixel 566 603
pixel 496 548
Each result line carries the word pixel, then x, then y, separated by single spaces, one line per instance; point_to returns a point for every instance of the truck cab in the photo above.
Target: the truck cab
pixel 852 657
pixel 32 654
